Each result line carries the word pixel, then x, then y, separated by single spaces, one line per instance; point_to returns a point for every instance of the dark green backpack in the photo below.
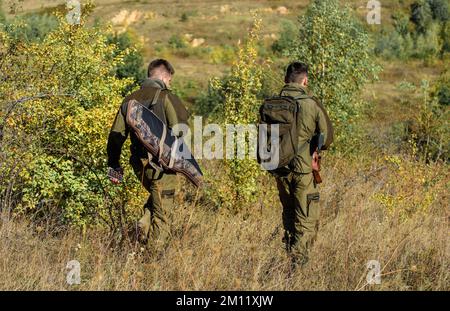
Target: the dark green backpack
pixel 281 110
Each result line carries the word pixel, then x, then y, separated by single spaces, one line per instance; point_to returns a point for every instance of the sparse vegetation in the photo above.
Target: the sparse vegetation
pixel 430 134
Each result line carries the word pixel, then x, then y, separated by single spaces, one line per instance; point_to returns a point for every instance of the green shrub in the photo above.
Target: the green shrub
pixel 288 37
pixel 443 93
pixel 38 26
pixel 176 42
pixel 54 129
pixel 210 102
pixel 34 27
pixel 445 35
pixel 133 62
pixel 185 89
pixel 392 45
pixel 421 15
pixel 430 130
pixel 239 185
pixel 401 23
pixel 223 54
pixel 428 38
pixel 440 9
pixel 429 44
pixel 336 46
pixel 184 17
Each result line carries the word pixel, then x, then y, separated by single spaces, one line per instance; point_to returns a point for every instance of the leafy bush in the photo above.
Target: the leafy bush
pixel 440 10
pixel 176 42
pixel 428 45
pixel 411 191
pixel 445 38
pixel 34 27
pixel 38 26
pixel 184 17
pixel 421 15
pixel 430 130
pixel 424 35
pixel 239 185
pixel 56 108
pixel 443 91
pixel 288 37
pixel 402 23
pixel 336 47
pixel 133 62
pixel 393 45
pixel 223 54
pixel 210 103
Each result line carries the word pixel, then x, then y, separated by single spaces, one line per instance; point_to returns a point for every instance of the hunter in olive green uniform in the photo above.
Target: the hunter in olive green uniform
pixel 153 226
pixel 299 194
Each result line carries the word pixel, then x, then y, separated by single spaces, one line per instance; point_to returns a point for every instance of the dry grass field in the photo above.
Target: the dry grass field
pixel 212 250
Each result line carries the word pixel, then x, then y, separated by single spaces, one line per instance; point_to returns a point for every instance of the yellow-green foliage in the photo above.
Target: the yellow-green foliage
pixel 431 132
pixel 221 54
pixel 240 183
pixel 58 100
pixel 337 48
pixel 413 189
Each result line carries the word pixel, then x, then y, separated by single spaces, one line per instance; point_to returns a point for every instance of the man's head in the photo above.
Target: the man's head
pixel 161 69
pixel 297 73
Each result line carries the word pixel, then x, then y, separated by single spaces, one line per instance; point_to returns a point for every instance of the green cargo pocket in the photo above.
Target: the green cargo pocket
pixel 313 208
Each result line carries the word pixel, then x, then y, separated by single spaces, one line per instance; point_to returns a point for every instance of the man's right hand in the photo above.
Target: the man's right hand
pixel 316 168
pixel 316 162
pixel 115 175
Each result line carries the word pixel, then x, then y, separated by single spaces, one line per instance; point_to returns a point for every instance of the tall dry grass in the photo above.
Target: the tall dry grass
pixel 216 250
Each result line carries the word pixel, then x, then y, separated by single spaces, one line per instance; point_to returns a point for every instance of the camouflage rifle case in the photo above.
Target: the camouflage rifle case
pixel 169 151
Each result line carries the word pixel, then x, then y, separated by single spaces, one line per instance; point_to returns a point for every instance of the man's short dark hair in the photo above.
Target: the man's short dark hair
pixel 296 72
pixel 157 63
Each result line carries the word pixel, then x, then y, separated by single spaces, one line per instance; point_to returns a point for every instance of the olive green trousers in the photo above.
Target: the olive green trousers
pixel 154 223
pixel 299 197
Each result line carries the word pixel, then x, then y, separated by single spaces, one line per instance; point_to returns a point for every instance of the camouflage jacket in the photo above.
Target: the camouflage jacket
pixel 120 130
pixel 312 119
